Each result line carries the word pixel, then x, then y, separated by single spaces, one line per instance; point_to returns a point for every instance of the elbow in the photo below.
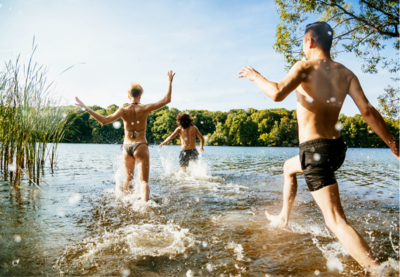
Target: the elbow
pixel 367 110
pixel 277 98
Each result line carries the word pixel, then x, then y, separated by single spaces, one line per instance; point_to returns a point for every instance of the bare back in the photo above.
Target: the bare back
pixel 188 137
pixel 135 119
pixel 320 97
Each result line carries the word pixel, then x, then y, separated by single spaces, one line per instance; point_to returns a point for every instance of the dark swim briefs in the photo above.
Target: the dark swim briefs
pixel 187 155
pixel 320 159
pixel 130 148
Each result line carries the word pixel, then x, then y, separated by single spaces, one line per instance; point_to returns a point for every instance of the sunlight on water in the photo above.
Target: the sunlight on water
pixel 207 221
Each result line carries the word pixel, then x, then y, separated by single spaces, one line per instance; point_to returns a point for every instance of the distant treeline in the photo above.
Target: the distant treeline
pixel 250 127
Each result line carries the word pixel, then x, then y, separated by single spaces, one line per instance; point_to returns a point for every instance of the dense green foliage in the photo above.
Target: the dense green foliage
pixel 365 28
pixel 273 127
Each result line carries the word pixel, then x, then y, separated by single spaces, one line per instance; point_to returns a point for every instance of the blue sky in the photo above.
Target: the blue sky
pixel 119 42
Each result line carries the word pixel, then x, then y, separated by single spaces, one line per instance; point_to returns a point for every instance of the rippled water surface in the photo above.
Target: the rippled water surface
pixel 209 222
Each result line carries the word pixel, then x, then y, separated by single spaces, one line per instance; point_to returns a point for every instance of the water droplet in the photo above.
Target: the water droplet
pixel 185 139
pixel 334 137
pixel 137 122
pixel 204 243
pixel 15 263
pixel 64 115
pixel 309 99
pixel 74 198
pixel 324 61
pixel 189 273
pixel 60 212
pixel 83 109
pixel 17 238
pixel 338 126
pixel 317 157
pixel 327 101
pixel 303 75
pixel 329 33
pixel 209 267
pixel 304 59
pixel 333 99
pixel 316 272
pixel 206 138
pixel 117 124
pixel 125 272
pixel 201 122
pixel 132 123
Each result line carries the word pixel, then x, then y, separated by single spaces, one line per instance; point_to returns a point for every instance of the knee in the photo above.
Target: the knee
pixel 287 169
pixel 335 221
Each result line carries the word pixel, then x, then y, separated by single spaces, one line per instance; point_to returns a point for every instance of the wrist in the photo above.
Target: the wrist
pixel 394 145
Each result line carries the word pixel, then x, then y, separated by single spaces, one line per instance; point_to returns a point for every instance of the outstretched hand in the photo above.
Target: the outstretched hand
pixel 80 103
pixel 171 75
pixel 162 144
pixel 201 150
pixel 249 73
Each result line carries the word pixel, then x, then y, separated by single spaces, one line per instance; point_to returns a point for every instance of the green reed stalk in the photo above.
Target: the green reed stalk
pixel 31 118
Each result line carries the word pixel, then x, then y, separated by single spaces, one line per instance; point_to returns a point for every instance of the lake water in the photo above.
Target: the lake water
pixel 209 222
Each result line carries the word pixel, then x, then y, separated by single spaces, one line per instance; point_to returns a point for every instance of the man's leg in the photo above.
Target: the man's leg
pixel 290 168
pixel 328 199
pixel 142 156
pixel 129 162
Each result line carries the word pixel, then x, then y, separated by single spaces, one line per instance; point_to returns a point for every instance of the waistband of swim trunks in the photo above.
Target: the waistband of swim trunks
pixel 314 141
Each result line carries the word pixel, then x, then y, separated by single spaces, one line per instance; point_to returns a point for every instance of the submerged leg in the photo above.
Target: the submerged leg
pixel 129 162
pixel 328 199
pixel 290 168
pixel 142 156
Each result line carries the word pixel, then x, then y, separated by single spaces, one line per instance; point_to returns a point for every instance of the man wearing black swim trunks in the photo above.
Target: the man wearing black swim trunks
pixel 188 133
pixel 321 87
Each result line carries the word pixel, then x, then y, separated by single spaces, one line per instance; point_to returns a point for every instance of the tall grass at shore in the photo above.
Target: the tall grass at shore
pixel 31 121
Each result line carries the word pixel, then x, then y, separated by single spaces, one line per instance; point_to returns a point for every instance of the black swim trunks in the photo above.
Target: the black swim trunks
pixel 187 155
pixel 320 159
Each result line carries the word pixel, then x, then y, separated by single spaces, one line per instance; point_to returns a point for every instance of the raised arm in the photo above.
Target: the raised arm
pixel 201 140
pixel 276 91
pixel 372 116
pixel 174 134
pixel 167 97
pixel 100 118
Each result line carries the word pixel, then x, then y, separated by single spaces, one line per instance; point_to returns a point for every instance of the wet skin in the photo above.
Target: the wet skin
pixel 321 87
pixel 188 139
pixel 135 120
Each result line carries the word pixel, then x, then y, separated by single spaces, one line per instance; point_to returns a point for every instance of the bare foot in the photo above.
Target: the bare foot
pixel 277 220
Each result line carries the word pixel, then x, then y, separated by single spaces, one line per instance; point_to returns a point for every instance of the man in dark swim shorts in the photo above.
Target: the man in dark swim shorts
pixel 188 133
pixel 321 87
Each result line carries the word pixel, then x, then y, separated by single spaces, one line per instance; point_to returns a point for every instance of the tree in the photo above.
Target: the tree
pixel 389 102
pixel 362 30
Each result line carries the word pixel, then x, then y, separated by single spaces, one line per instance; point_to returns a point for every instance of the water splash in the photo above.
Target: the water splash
pixel 131 242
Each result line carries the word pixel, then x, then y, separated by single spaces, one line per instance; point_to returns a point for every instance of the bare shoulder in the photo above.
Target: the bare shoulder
pixel 344 70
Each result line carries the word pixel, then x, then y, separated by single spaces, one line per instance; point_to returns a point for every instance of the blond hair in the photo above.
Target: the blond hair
pixel 135 89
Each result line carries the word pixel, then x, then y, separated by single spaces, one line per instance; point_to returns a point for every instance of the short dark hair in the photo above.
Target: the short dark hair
pixel 185 120
pixel 322 33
